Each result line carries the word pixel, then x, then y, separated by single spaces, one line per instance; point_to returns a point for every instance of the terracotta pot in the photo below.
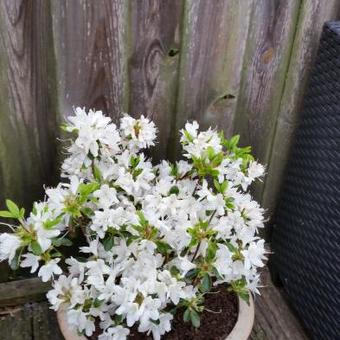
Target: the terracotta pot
pixel 241 330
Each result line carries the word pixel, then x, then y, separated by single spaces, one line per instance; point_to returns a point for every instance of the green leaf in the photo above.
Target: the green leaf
pixel 16 259
pixel 142 220
pixel 13 208
pixel 87 211
pixel 67 128
pixel 195 318
pixel 188 136
pixel 231 247
pixel 234 141
pixel 58 242
pixel 217 274
pixel 174 190
pixel 206 283
pixel 210 153
pixel 97 303
pixel 244 295
pixel 136 173
pixel 108 243
pixel 134 161
pixel 186 315
pixel 22 213
pixel 36 249
pixel 97 173
pixel 174 271
pixel 217 185
pixel 5 213
pixel 86 189
pixel 174 170
pixel 118 319
pixel 211 251
pixel 163 247
pixel 192 273
pixel 49 224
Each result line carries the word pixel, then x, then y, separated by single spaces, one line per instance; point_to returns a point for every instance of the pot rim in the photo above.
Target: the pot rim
pixel 245 320
pixel 241 330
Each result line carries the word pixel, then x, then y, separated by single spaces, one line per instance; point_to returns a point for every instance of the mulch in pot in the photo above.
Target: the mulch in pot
pixel 214 326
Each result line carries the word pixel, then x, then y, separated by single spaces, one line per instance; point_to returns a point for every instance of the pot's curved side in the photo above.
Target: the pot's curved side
pixel 245 320
pixel 66 331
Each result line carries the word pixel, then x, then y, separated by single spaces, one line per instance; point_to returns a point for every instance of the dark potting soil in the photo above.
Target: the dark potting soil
pixel 217 320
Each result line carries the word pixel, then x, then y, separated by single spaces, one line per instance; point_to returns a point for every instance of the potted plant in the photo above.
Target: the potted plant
pixel 157 249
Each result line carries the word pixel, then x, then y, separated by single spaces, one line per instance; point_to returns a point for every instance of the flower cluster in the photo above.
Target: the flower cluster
pixel 151 239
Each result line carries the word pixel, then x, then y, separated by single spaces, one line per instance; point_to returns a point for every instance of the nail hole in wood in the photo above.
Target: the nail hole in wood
pixel 228 96
pixel 173 52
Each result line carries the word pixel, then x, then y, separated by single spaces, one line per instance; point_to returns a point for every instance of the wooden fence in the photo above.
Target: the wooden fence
pixel 240 65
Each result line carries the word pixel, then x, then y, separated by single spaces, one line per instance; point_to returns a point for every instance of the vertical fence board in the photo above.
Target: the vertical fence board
pixel 213 44
pixel 30 321
pixel 271 35
pixel 155 42
pixel 90 45
pixel 44 322
pixel 16 325
pixel 27 103
pixel 313 15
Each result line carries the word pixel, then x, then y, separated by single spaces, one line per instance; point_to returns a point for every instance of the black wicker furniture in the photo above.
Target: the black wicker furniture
pixel 306 232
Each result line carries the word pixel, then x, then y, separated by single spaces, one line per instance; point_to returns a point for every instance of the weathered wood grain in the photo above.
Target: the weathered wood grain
pixel 212 48
pixel 15 324
pixel 273 317
pixel 27 103
pixel 27 100
pixel 30 321
pixel 269 44
pixel 155 28
pixel 44 322
pixel 90 42
pixel 18 292
pixel 312 16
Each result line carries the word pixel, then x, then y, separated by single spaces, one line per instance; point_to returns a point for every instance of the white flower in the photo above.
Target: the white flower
pixel 79 320
pixel 170 287
pixel 139 133
pixel 196 144
pixel 47 271
pixel 254 255
pixel 76 268
pixel 102 220
pixel 63 195
pixel 30 260
pixel 189 133
pixel 106 196
pixel 149 310
pixel 39 219
pixel 66 290
pixel 255 170
pixel 83 119
pixel 94 131
pixel 115 333
pixel 223 261
pixel 9 243
pixel 92 248
pixel 158 328
pixel 183 264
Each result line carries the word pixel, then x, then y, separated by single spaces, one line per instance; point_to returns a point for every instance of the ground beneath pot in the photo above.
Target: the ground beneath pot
pixel 215 325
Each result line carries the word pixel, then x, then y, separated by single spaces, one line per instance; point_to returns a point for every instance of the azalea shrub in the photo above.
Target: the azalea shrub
pixel 148 240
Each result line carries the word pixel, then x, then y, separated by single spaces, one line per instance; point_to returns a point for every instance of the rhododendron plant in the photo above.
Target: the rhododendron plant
pixel 149 240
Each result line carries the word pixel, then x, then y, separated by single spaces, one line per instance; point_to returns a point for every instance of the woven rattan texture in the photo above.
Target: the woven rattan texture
pixel 306 234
